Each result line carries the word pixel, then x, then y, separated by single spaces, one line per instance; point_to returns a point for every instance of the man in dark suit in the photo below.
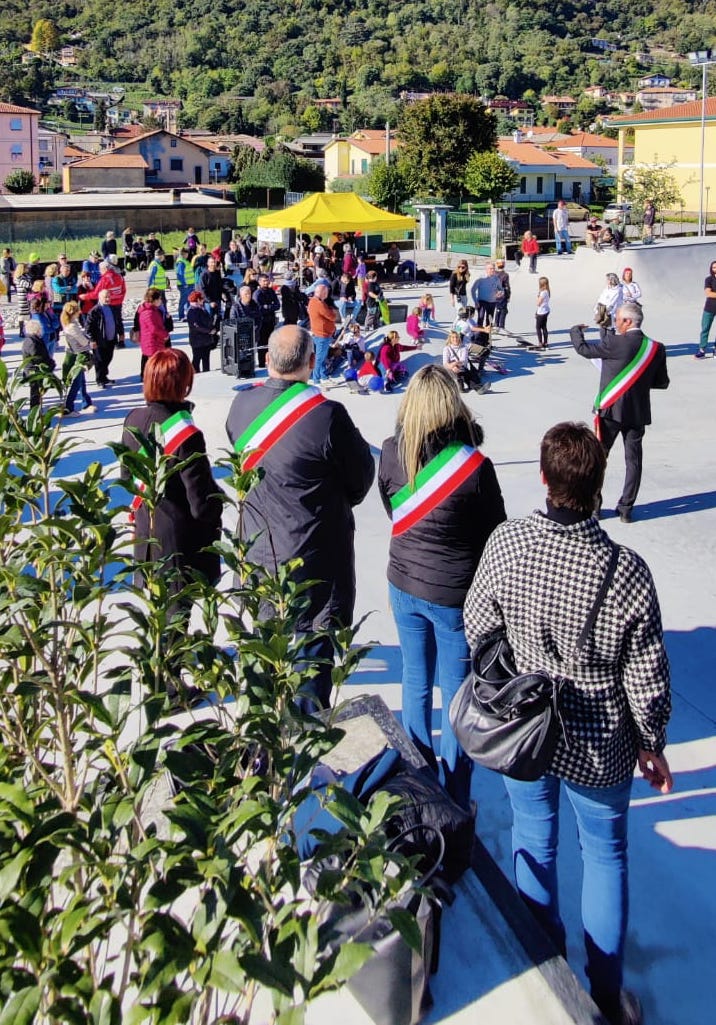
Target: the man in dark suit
pixel 316 467
pixel 632 364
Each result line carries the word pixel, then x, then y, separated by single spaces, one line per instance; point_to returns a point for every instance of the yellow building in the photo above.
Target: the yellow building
pixel 673 136
pixel 353 156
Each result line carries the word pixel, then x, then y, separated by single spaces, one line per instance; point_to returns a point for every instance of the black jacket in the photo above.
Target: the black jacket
pixel 268 304
pixel 96 326
pixel 200 323
pixel 293 303
pixel 436 559
pixel 211 283
pixel 302 506
pixel 188 517
pixel 633 409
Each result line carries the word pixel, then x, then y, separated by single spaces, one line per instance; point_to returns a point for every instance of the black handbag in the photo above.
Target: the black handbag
pixel 508 721
pixel 392 987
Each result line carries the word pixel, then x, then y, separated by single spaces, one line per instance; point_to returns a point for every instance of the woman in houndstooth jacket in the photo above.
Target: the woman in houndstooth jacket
pixel 539 577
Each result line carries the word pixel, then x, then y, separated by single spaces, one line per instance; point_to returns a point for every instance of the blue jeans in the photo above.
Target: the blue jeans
pixel 321 345
pixel 432 638
pixel 345 308
pixel 601 814
pixel 79 384
pixel 184 293
pixel 562 239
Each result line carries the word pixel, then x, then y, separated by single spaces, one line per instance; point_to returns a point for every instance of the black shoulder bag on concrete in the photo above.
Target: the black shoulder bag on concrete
pixel 509 721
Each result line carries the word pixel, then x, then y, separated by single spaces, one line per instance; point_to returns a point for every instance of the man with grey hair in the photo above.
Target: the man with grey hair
pixel 315 467
pixel 632 364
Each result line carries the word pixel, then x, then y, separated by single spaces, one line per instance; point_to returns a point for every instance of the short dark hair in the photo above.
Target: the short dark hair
pixel 168 376
pixel 152 294
pixel 573 461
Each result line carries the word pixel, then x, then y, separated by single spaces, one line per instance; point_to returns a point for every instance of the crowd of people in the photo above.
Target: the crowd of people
pixel 457 570
pixel 457 567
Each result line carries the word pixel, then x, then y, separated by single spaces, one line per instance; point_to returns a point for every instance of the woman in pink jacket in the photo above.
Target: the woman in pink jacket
pixel 153 334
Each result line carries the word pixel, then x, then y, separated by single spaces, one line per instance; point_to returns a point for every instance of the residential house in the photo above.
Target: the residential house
pixel 564 104
pixel 673 137
pixel 659 97
pixel 164 110
pixel 105 171
pixel 172 160
pixel 518 110
pixel 310 147
pixel 596 92
pixel 51 148
pixel 653 80
pixel 354 155
pixel 19 143
pixel 546 175
pixel 590 145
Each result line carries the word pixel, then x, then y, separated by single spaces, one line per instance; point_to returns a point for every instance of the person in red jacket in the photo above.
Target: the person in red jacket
pixel 115 285
pixel 153 335
pixel 530 247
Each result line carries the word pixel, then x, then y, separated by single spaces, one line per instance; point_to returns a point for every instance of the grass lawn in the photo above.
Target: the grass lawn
pixel 47 249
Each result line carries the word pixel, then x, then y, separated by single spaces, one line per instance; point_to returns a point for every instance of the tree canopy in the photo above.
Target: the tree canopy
pixel 264 67
pixel 438 136
pixel 488 176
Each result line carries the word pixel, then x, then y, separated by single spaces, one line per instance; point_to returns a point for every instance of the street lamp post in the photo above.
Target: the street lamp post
pixel 702 59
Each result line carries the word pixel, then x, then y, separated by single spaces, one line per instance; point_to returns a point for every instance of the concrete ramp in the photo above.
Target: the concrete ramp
pixel 669 271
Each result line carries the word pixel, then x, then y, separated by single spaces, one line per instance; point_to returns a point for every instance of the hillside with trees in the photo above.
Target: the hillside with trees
pixel 259 68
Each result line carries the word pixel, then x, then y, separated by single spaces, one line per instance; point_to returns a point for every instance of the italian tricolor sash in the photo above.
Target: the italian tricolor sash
pixel 274 422
pixel 175 430
pixel 628 376
pixel 437 480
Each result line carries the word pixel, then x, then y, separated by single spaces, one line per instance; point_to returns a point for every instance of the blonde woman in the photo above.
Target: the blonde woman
pixel 78 347
pixel 437 540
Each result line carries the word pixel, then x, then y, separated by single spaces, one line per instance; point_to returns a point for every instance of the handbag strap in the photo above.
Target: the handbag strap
pixel 601 594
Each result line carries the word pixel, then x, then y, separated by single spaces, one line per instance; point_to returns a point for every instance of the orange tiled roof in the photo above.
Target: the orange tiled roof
pixel 525 152
pixel 12 108
pixel 591 139
pixel 110 160
pixel 680 111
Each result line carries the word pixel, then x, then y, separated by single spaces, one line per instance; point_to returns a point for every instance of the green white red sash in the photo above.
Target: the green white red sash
pixel 437 480
pixel 175 430
pixel 628 376
pixel 274 422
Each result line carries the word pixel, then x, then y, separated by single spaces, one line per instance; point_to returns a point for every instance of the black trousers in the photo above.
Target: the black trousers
pixel 632 437
pixel 485 312
pixel 103 358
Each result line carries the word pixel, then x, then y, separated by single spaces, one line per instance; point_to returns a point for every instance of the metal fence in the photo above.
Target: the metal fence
pixel 469 233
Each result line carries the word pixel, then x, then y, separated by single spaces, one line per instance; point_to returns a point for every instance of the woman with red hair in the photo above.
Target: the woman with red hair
pixel 187 518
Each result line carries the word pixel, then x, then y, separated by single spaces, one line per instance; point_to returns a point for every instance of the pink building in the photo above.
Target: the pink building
pixel 19 146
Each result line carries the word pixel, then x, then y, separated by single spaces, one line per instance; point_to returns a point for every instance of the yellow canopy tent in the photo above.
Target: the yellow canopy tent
pixel 335 211
pixel 332 211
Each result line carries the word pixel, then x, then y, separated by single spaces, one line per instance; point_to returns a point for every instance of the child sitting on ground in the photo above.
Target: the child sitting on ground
pixel 369 378
pixel 355 345
pixel 461 323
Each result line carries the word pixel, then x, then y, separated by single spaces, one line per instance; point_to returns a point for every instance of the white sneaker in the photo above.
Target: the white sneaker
pixel 90 409
pixel 69 412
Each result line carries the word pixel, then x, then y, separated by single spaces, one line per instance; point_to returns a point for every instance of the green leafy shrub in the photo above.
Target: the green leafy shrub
pixel 147 866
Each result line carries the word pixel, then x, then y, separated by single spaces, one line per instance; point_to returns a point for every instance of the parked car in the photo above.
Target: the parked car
pixel 518 223
pixel 576 211
pixel 617 212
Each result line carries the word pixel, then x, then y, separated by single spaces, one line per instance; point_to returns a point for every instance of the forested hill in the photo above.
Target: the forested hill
pixel 280 57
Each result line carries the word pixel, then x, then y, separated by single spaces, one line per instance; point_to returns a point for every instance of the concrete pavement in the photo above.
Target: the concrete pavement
pixel 672 934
